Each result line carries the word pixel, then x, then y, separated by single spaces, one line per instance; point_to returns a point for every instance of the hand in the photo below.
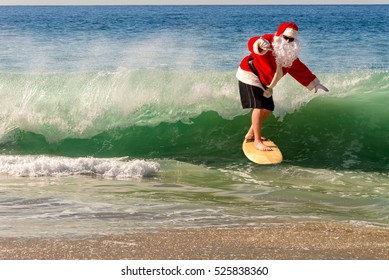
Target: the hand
pixel 320 86
pixel 268 92
pixel 264 44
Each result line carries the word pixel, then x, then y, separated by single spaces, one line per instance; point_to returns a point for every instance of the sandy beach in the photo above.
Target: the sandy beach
pixel 276 242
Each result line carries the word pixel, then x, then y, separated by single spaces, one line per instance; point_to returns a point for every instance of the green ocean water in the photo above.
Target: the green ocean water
pixel 119 114
pixel 91 164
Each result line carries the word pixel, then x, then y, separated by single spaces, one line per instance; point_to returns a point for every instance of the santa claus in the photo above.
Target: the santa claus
pixel 271 57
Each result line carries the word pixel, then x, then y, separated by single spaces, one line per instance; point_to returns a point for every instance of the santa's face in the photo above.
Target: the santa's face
pixel 285 51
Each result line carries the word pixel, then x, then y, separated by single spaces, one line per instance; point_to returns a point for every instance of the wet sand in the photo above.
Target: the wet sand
pixel 276 242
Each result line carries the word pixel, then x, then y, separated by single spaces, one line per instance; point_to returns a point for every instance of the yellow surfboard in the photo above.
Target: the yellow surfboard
pixel 262 157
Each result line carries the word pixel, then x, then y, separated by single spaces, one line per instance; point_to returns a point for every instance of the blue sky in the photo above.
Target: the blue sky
pixel 184 2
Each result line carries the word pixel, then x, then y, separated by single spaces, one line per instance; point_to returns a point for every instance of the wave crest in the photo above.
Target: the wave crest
pixel 47 166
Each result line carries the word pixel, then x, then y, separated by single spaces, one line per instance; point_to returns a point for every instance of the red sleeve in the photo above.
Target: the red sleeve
pixel 253 41
pixel 301 73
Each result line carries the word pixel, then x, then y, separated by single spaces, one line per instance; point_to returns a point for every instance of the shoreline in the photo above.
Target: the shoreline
pixel 303 241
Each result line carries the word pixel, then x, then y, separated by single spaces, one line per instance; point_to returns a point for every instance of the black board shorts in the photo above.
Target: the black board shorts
pixel 252 97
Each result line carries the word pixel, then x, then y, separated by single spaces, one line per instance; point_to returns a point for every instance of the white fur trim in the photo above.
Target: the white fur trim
pixel 276 38
pixel 248 77
pixel 290 32
pixel 257 49
pixel 313 84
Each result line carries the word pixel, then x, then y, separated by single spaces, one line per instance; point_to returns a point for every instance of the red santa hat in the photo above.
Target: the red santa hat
pixel 288 29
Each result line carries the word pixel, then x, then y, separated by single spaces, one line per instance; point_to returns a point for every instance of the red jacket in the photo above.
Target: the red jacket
pixel 265 64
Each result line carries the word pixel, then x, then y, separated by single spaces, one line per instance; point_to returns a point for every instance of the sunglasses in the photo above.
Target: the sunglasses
pixel 288 38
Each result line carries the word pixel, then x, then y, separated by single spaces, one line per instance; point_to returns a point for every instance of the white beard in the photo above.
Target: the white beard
pixel 285 52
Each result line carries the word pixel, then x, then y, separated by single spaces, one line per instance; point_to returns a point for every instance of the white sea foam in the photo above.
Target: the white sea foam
pixel 47 166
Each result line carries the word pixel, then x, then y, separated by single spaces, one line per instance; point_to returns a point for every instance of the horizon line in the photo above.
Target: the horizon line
pixel 314 4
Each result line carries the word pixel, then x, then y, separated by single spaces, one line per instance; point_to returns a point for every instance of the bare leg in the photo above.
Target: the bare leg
pixel 257 118
pixel 250 133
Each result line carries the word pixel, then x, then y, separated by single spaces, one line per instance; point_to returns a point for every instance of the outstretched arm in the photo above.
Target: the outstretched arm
pixel 304 76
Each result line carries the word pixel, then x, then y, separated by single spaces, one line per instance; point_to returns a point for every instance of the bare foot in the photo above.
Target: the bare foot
pixel 262 147
pixel 250 137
